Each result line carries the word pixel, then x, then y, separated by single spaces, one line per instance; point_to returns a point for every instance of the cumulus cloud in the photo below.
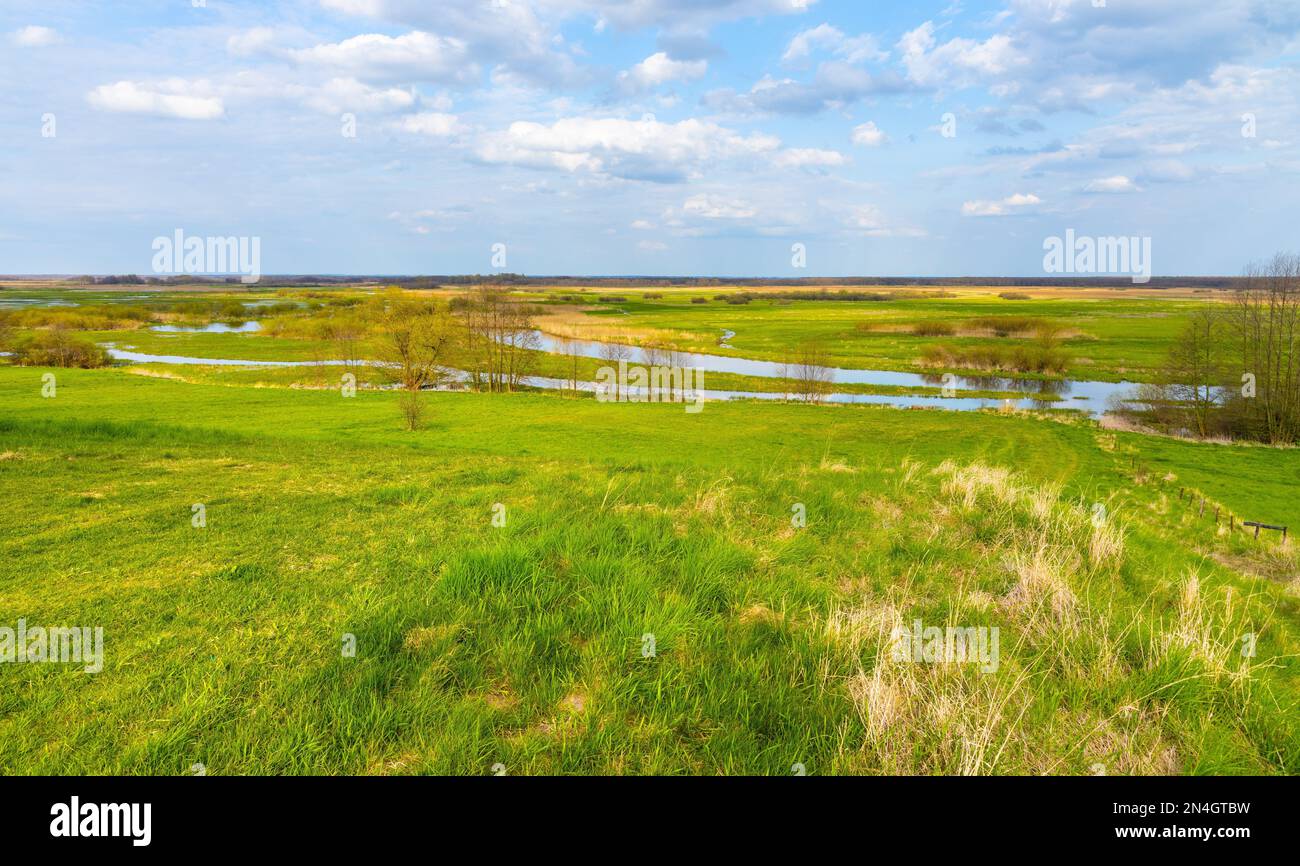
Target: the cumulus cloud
pixel 434 124
pixel 868 135
pixel 659 69
pixel 1011 204
pixel 635 149
pixel 835 85
pixel 415 56
pixel 1116 184
pixel 809 157
pixel 830 39
pixel 348 94
pixel 958 62
pixel 34 36
pixel 715 207
pixel 173 98
pixel 521 42
pixel 249 42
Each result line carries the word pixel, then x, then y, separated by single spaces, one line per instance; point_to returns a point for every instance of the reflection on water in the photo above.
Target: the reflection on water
pixel 1089 396
pixel 1086 396
pixel 146 358
pixel 214 328
pixel 8 303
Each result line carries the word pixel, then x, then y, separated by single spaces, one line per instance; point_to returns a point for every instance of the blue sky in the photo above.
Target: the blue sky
pixel 649 136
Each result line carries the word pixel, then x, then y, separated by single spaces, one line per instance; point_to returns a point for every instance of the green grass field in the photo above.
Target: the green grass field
pixel 1110 339
pixel 1121 611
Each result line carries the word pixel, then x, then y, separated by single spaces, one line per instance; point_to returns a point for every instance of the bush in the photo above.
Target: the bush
pixel 106 317
pixel 1004 326
pixel 932 329
pixel 699 300
pixel 58 349
pixel 1013 296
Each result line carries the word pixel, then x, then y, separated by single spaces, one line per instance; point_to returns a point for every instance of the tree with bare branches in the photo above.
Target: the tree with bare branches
pixel 500 339
pixel 1265 321
pixel 417 338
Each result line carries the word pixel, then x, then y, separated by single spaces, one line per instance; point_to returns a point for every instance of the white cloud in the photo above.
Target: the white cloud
pixel 653 246
pixel 834 85
pixel 364 8
pixel 957 62
pixel 432 123
pixel 717 208
pixel 252 41
pixel 415 56
pixel 871 221
pixel 868 135
pixel 173 98
pixel 348 94
pixel 1116 184
pixel 659 69
pixel 830 39
pixel 640 149
pixel 808 157
pixel 1003 207
pixel 34 36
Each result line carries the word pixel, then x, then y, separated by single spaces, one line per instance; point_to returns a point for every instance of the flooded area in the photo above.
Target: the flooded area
pixel 214 328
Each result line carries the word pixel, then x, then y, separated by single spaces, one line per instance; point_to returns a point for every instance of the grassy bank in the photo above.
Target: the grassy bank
pixel 524 644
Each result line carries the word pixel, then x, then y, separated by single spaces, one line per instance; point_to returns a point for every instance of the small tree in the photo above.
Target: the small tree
pixel 1195 370
pixel 611 354
pixel 811 373
pixel 417 338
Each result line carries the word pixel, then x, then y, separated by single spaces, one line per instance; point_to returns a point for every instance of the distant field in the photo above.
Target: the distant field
pixel 1109 339
pixel 1109 335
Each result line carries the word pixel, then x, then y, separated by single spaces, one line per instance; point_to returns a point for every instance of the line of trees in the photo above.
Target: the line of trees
pixel 1235 369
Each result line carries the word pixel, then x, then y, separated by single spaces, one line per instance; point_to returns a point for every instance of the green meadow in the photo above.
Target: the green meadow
pixel 535 584
pixel 1109 338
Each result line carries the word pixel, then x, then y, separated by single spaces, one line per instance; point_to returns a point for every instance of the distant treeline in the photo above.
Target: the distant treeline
pixel 629 282
pixel 794 282
pixel 197 279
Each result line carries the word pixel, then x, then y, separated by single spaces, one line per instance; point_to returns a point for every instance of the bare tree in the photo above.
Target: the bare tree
pixel 1266 325
pixel 1195 370
pixel 500 339
pixel 345 332
pixel 417 337
pixel 569 349
pixel 811 373
pixel 611 354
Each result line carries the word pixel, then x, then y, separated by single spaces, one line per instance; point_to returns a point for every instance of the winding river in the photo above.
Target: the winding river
pixel 1091 397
